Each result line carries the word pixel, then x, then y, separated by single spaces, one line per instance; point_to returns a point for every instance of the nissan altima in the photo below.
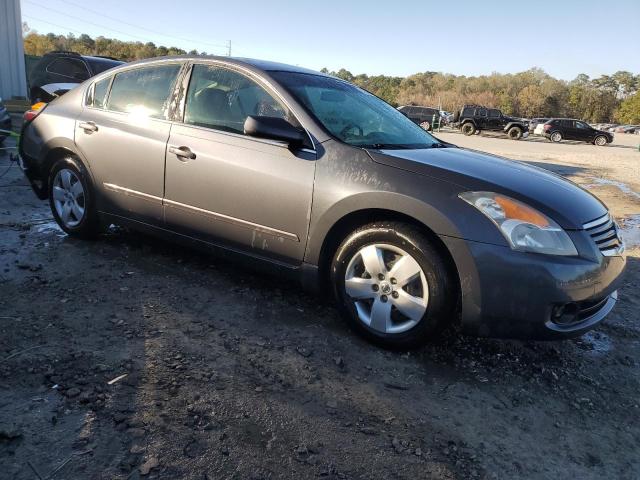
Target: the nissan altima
pixel 326 182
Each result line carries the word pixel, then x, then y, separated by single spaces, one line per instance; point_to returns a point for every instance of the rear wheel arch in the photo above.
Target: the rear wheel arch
pixel 57 153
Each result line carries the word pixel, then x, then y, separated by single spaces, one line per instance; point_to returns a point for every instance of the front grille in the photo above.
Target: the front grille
pixel 604 233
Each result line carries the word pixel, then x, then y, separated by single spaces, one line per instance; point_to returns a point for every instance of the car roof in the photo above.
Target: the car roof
pixel 263 65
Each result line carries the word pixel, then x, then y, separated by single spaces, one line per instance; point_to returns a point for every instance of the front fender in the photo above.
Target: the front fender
pixel 423 212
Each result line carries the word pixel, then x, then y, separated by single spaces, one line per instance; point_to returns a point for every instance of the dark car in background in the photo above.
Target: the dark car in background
pixel 5 121
pixel 558 129
pixel 426 117
pixel 474 119
pixel 65 68
pixel 327 183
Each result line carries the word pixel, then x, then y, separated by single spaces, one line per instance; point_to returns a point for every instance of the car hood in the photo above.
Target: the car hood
pixel 564 201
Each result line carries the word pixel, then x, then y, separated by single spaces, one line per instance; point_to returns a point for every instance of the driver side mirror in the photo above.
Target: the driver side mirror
pixel 274 128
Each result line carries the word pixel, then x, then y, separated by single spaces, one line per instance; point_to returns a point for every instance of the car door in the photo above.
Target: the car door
pixel 227 188
pixel 481 118
pixel 122 131
pixel 567 129
pixel 583 132
pixel 493 119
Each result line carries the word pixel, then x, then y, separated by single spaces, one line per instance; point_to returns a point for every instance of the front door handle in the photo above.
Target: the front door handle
pixel 88 127
pixel 182 152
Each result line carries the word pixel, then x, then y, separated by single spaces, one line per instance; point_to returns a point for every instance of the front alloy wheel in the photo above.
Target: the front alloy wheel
pixel 600 141
pixel 388 288
pixel 393 285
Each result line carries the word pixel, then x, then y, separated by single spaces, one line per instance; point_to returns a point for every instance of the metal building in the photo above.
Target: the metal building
pixel 13 79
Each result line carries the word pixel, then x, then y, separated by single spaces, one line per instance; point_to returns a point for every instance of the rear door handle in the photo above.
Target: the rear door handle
pixel 182 152
pixel 88 127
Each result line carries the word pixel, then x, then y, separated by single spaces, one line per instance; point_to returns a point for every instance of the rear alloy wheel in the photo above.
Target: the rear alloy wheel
pixel 556 137
pixel 515 133
pixel 600 140
pixel 426 125
pixel 468 129
pixel 71 199
pixel 392 285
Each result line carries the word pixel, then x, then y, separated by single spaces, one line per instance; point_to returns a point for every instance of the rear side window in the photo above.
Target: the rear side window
pixel 69 68
pixel 482 112
pixel 566 123
pixel 97 93
pixel 222 99
pixel 468 111
pixel 143 91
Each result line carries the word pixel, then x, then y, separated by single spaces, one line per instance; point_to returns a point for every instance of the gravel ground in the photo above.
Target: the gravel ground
pixel 128 357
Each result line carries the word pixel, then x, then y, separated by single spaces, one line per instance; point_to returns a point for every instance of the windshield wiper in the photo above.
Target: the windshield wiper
pixel 388 146
pixel 439 145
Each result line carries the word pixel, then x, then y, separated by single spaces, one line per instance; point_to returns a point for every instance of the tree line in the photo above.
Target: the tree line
pixel 532 93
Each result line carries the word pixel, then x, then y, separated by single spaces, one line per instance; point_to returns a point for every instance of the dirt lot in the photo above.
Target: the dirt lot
pixel 128 357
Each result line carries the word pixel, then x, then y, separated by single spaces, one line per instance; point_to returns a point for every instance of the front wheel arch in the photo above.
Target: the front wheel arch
pixel 353 220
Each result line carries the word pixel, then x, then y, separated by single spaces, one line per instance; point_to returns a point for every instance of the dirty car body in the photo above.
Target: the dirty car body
pixel 287 192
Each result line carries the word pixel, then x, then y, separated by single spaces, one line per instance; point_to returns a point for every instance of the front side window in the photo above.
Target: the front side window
pixel 582 125
pixel 69 68
pixel 493 113
pixel 222 99
pixel 353 115
pixel 143 91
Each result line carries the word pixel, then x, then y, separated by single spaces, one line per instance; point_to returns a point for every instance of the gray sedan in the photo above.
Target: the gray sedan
pixel 327 183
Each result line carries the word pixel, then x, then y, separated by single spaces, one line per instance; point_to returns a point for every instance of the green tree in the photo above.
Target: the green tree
pixel 629 111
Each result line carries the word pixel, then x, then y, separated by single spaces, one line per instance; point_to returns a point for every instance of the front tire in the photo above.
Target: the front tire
pixel 392 285
pixel 72 199
pixel 468 129
pixel 515 133
pixel 600 141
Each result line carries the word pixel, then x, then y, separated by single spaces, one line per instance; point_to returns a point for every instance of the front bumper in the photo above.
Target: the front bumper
pixel 509 294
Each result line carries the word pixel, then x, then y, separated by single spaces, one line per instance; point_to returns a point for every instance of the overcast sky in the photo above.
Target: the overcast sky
pixel 563 37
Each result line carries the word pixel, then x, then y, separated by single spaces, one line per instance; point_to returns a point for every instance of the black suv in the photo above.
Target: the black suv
pixel 559 129
pixel 65 67
pixel 475 118
pixel 426 117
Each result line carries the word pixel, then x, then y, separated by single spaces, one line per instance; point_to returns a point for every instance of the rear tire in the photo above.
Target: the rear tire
pixel 556 137
pixel 600 141
pixel 72 199
pixel 515 133
pixel 392 285
pixel 468 129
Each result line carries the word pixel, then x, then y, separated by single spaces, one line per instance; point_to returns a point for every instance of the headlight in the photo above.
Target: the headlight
pixel 525 228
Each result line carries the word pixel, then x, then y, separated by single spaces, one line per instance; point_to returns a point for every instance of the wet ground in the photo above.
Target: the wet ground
pixel 130 358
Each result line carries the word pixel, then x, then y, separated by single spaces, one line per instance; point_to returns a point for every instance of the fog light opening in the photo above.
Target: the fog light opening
pixel 565 314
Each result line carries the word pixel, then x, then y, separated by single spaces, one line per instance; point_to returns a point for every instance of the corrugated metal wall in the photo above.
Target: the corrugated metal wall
pixel 13 80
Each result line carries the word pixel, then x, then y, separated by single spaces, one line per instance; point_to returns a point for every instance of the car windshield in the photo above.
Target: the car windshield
pixel 353 115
